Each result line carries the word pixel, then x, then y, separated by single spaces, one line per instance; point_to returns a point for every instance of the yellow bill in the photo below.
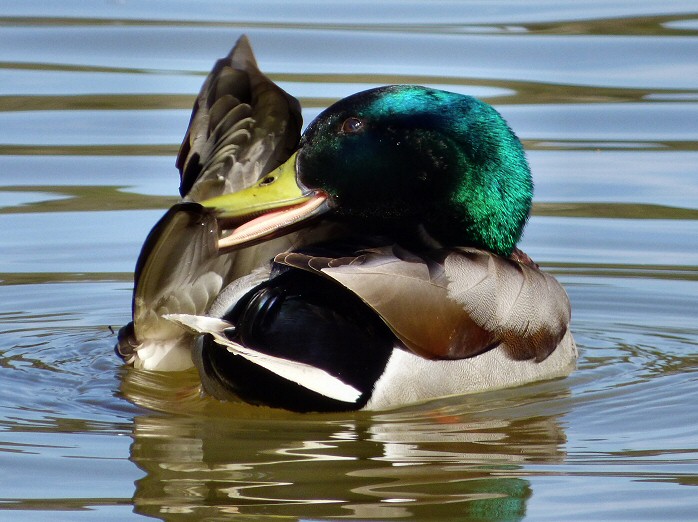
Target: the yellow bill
pixel 272 207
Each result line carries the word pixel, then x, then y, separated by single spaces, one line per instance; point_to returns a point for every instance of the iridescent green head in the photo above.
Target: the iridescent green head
pixel 398 159
pixel 403 156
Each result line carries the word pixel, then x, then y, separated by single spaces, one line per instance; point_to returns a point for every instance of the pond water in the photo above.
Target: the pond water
pixel 94 101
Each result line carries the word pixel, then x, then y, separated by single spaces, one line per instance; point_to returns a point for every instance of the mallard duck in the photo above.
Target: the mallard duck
pixel 367 264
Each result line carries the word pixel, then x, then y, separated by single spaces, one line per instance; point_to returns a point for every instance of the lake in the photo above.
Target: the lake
pixel 94 101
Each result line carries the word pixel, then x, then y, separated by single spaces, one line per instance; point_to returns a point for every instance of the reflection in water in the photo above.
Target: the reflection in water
pixel 204 458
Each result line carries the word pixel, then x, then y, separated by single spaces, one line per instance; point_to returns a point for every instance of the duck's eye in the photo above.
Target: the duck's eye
pixel 268 180
pixel 352 125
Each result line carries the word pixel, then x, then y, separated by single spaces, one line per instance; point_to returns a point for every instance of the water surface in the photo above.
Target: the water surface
pixel 93 104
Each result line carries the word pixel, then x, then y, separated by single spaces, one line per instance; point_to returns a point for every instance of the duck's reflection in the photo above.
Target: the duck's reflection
pixel 462 457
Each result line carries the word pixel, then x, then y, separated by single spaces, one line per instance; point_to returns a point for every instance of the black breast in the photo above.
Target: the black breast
pixel 303 317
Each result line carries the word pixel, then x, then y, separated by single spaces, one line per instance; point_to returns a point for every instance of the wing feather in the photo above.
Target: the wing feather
pixel 415 306
pixel 453 304
pixel 242 126
pixel 527 309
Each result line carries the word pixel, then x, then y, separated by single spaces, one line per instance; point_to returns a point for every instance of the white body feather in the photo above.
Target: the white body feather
pixel 404 382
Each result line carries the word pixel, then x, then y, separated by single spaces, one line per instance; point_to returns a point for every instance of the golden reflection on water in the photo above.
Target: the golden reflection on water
pixel 202 457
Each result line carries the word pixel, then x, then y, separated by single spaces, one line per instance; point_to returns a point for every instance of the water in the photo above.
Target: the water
pixel 93 104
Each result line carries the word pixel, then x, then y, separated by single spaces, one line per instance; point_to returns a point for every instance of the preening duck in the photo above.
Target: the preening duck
pixel 367 264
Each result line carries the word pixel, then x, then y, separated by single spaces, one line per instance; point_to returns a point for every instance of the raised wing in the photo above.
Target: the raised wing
pixel 453 304
pixel 242 127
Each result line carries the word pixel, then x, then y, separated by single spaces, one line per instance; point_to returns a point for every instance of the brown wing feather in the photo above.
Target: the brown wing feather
pixel 410 297
pixel 528 310
pixel 242 126
pixel 453 304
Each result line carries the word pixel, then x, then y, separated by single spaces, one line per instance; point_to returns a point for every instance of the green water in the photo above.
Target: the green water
pixel 94 100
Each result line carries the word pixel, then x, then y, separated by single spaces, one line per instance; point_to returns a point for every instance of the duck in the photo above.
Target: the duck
pixel 367 263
